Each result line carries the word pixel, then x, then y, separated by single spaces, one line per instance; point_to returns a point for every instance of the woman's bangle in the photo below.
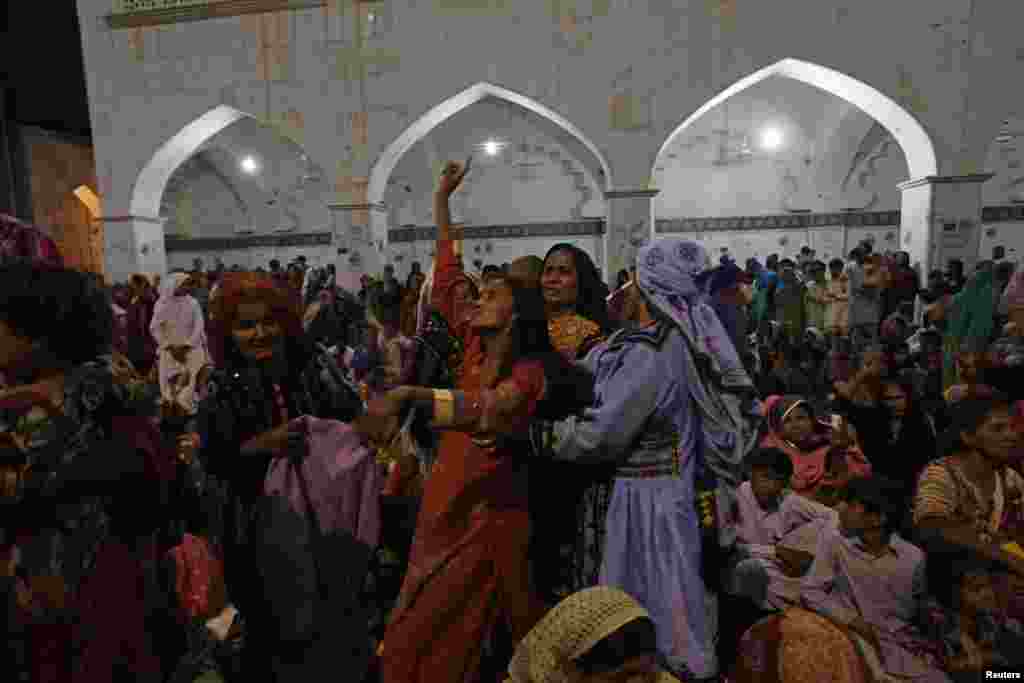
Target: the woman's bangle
pixel 444 407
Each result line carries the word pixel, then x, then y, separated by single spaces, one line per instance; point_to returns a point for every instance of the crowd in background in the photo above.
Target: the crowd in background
pixel 790 470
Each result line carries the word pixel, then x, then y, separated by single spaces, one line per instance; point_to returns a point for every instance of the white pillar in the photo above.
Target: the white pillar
pixel 628 215
pixel 353 227
pixel 940 219
pixel 132 244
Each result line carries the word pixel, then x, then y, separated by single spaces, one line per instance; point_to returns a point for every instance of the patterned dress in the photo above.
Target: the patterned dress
pixel 945 491
pixel 85 494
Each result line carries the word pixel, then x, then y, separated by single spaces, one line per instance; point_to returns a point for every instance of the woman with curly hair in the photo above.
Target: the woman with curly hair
pixel 83 500
pixel 266 376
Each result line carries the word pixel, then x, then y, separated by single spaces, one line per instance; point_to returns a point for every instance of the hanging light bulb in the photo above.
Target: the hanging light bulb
pixel 250 165
pixel 771 138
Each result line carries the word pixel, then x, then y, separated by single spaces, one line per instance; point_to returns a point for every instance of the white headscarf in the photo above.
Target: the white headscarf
pixel 177 320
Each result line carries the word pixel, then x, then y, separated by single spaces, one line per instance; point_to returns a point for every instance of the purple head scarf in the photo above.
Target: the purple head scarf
pixel 668 274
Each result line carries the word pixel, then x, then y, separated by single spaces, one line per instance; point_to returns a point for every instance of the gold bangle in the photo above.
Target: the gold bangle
pixel 444 407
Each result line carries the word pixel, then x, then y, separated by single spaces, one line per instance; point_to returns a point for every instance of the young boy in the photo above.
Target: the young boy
pixel 871 581
pixel 768 513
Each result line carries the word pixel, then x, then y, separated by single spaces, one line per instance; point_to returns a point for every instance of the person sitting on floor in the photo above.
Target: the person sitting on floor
pixel 872 582
pixel 772 551
pixel 594 635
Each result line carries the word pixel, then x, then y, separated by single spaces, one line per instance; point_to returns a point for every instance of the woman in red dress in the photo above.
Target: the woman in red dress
pixel 469 567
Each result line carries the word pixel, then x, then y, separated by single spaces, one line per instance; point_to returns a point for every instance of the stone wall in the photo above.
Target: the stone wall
pixel 347 78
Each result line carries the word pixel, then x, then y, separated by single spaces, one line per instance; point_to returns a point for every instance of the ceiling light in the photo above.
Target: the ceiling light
pixel 250 165
pixel 491 147
pixel 771 138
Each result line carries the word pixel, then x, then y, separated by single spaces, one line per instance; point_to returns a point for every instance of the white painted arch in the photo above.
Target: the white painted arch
pixel 149 187
pixel 427 122
pixel 913 139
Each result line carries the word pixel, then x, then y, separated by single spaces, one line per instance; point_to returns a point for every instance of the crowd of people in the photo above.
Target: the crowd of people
pixel 789 471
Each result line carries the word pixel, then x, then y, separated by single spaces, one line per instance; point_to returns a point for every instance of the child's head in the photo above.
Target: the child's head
pixel 770 471
pixel 870 504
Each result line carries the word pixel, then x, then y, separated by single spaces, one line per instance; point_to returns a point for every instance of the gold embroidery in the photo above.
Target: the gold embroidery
pixel 569 331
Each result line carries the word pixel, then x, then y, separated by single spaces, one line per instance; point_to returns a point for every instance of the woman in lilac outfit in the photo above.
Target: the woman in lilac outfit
pixel 662 424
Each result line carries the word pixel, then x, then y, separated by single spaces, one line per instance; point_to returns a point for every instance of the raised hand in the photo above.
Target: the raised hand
pixel 452 175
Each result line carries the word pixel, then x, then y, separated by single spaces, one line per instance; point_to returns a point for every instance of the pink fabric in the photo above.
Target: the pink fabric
pixel 177 320
pixel 343 478
pixel 809 466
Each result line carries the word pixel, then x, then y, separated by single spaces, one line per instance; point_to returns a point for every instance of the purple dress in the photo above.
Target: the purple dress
pixel 643 421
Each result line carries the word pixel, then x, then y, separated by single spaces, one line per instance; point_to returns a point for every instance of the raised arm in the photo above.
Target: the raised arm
pixel 447 268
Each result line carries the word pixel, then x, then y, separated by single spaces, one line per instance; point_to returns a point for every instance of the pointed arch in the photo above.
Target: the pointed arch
pixel 149 187
pixel 913 139
pixel 427 122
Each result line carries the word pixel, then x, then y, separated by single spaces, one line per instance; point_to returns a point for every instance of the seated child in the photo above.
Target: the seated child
pixel 870 581
pixel 770 551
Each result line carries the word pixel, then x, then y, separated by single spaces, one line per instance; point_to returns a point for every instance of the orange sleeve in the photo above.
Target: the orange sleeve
pixel 514 400
pixel 485 413
pixel 447 269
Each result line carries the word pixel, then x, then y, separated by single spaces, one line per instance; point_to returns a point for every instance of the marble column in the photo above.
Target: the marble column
pixel 628 220
pixel 354 227
pixel 132 244
pixel 940 219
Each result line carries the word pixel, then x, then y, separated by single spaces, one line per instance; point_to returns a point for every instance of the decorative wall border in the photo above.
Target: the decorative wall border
pixel 632 193
pixel 781 222
pixel 171 13
pixel 302 239
pixel 1002 214
pixel 586 228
